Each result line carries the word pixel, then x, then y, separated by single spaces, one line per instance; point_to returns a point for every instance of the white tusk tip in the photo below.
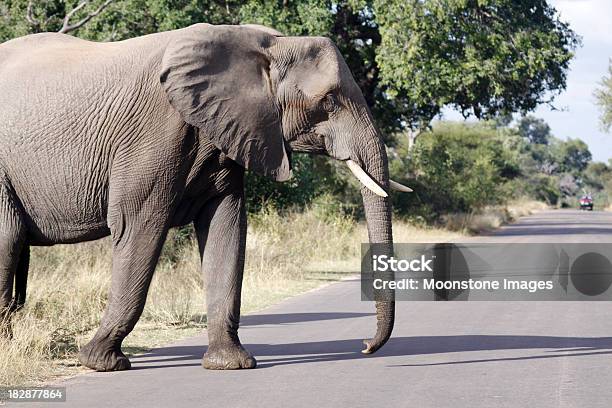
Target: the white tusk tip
pixel 399 187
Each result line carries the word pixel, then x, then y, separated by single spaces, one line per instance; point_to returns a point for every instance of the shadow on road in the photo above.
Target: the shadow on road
pixel 300 353
pixel 287 318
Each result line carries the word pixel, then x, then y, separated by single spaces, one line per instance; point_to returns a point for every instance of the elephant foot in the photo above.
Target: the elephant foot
pixel 230 357
pixel 103 357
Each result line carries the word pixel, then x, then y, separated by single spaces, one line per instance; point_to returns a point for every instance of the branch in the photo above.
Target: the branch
pixel 72 13
pixel 30 15
pixel 113 33
pixel 67 27
pixel 412 136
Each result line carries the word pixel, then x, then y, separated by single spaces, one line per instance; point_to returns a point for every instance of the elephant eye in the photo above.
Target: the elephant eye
pixel 330 104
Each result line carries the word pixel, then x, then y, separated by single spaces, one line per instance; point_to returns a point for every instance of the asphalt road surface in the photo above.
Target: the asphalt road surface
pixel 442 354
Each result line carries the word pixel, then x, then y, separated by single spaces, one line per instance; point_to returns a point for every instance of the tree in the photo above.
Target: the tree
pixel 483 57
pixel 21 17
pixel 568 185
pixel 457 167
pixel 116 19
pixel 603 96
pixel 598 175
pixel 573 155
pixel 534 130
pixel 67 26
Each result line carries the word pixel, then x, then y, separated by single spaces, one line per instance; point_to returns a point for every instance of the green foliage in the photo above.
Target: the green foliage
pixel 540 187
pixel 534 130
pixel 484 57
pixel 603 97
pixel 457 167
pixel 553 170
pixel 313 176
pixel 463 167
pixel 122 19
pixel 598 179
pixel 308 17
pixel 598 176
pixel 573 156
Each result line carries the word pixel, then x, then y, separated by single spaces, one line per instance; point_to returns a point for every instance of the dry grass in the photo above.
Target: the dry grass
pixel 490 217
pixel 286 255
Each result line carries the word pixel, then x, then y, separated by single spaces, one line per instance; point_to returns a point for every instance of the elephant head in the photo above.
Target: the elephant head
pixel 258 96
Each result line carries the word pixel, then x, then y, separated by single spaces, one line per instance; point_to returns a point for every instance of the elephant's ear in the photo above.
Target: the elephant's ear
pixel 217 78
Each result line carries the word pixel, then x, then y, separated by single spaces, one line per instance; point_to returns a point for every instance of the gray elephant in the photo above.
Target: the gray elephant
pixel 129 139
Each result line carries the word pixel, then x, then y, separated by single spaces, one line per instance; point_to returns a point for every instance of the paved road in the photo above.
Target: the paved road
pixel 557 226
pixel 459 354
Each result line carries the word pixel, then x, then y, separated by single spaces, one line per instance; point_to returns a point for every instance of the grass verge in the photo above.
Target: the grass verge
pixel 490 218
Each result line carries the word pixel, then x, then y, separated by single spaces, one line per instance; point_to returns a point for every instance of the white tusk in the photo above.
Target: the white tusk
pixel 399 187
pixel 365 179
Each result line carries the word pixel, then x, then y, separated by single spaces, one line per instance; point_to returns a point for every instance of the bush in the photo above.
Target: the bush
pixel 313 176
pixel 454 168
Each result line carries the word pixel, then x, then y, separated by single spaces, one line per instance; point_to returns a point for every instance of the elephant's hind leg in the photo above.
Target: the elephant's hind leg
pixel 14 256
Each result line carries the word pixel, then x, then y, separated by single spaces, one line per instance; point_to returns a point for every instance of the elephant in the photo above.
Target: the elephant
pixel 128 139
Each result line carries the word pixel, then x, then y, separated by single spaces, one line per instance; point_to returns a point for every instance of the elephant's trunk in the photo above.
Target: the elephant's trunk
pixel 378 217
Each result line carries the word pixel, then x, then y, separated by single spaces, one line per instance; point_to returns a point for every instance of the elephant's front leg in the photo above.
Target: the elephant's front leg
pixel 221 230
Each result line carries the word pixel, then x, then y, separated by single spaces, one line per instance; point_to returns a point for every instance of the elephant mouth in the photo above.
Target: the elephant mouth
pixel 311 142
pixel 314 143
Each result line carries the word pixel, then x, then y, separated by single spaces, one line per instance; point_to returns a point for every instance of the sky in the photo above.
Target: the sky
pixel 591 19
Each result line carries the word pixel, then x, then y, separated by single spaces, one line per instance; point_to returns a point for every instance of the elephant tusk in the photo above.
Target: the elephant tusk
pixel 399 187
pixel 365 179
